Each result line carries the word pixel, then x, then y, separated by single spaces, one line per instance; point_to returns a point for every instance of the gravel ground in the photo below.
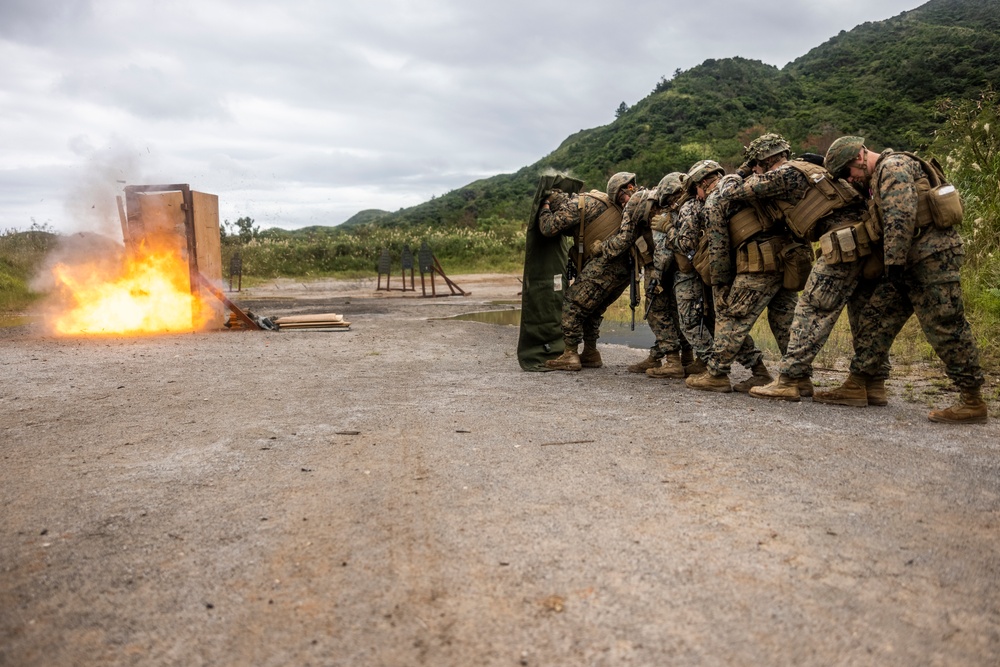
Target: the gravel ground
pixel 403 494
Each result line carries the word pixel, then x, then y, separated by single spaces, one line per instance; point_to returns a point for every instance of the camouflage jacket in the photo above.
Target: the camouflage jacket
pixel 894 179
pixel 635 222
pixel 717 212
pixel 663 242
pixel 563 216
pixel 689 225
pixel 789 185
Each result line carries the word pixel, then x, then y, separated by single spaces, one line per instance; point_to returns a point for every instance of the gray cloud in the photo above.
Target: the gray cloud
pixel 306 112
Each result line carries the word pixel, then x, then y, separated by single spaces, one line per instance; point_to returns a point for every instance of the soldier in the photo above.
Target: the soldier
pixel 661 308
pixel 591 217
pixel 814 208
pixel 740 298
pixel 923 257
pixel 695 309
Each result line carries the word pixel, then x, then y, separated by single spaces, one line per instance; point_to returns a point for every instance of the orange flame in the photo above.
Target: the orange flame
pixel 149 293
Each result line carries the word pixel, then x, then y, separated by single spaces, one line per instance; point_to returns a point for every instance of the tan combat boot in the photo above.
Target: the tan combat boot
pixel 670 368
pixel 696 367
pixel 875 388
pixel 708 381
pixel 590 357
pixel 760 377
pixel 782 389
pixel 646 364
pixel 970 409
pixel 806 387
pixel 569 360
pixel 852 393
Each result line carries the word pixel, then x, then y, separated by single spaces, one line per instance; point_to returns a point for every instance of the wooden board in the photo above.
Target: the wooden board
pixel 299 319
pixel 208 249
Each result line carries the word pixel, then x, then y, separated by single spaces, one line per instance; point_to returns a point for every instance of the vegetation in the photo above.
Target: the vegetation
pixel 21 253
pixel 495 245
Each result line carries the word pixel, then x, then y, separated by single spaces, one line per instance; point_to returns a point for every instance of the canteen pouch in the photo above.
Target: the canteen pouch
pixel 946 206
pixel 797 261
pixel 701 261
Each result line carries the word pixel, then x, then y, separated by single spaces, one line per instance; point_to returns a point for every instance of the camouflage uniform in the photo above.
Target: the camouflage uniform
pixel 830 286
pixel 602 279
pixel 740 299
pixel 661 307
pixel 928 260
pixel 563 214
pixel 636 224
pixel 694 300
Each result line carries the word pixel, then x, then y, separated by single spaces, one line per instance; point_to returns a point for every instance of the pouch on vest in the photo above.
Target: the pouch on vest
pixel 769 255
pixel 945 205
pixel 701 261
pixel 824 196
pixel 938 201
pixel 754 264
pixel 684 264
pixel 873 267
pixel 796 258
pixel 861 238
pixel 845 241
pixel 829 249
pixel 743 225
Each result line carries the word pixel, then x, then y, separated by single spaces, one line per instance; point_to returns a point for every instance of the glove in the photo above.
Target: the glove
pixel 894 276
pixel 596 248
pixel 653 287
pixel 744 170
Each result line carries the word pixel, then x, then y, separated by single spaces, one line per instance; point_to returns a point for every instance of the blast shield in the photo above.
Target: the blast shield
pixel 544 282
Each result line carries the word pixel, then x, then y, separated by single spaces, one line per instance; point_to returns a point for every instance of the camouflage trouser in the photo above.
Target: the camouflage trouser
pixel 663 321
pixel 829 288
pixel 932 291
pixel 695 313
pixel 736 314
pixel 599 285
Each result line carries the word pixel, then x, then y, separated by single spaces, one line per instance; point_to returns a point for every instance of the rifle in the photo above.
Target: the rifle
pixel 633 287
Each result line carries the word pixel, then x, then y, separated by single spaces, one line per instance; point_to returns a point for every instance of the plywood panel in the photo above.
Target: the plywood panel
pixel 206 235
pixel 163 222
pixel 208 250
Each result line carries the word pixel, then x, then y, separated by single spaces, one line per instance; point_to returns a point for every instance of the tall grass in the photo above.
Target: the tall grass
pixel 21 253
pixel 496 245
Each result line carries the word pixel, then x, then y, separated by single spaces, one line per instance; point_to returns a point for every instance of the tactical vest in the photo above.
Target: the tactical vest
pixel 598 229
pixel 938 201
pixel 747 223
pixel 824 196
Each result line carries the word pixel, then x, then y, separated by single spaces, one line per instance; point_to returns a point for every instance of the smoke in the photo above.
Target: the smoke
pixel 90 202
pixel 549 171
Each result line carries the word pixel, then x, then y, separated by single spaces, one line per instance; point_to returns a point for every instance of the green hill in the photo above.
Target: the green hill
pixel 882 79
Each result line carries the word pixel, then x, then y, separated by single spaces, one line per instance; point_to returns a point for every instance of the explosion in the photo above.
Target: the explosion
pixel 148 292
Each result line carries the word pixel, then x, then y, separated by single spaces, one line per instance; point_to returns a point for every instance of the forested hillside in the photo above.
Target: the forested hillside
pixel 884 80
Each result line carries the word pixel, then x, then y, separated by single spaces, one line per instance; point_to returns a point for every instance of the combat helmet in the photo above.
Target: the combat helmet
pixel 841 152
pixel 617 182
pixel 765 146
pixel 701 170
pixel 640 204
pixel 670 185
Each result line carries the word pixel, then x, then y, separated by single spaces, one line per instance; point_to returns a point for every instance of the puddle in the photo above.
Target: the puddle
pixel 613 331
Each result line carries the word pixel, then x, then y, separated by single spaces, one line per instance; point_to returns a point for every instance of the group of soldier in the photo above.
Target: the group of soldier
pixel 798 237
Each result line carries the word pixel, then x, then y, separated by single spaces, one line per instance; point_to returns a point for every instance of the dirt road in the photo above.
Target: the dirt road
pixel 403 494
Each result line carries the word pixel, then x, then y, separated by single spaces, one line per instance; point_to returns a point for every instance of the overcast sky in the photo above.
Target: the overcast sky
pixel 304 112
